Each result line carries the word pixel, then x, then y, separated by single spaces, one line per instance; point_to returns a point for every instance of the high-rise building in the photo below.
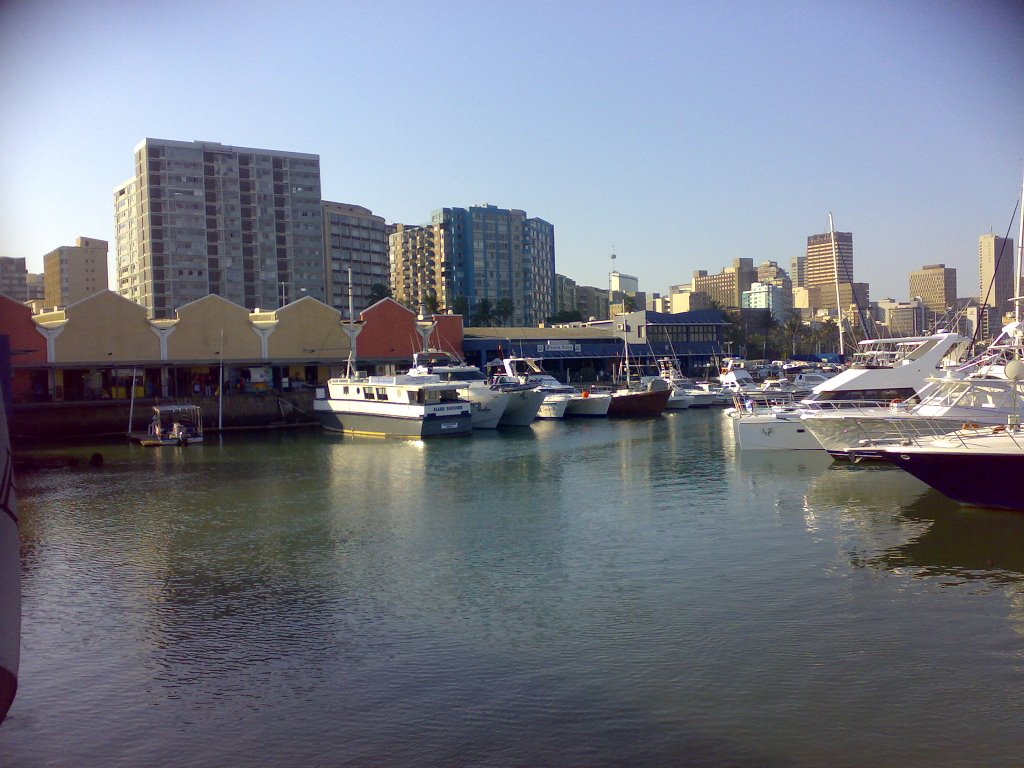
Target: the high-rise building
pixel 767 296
pixel 357 240
pixel 822 262
pixel 75 272
pixel 935 285
pixel 995 266
pixel 13 278
pixel 36 287
pixel 727 287
pixel 202 217
pixel 482 252
pixel 798 271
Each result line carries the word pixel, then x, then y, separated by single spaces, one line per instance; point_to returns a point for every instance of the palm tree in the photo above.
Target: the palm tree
pixel 378 291
pixel 460 306
pixel 793 330
pixel 484 315
pixel 504 310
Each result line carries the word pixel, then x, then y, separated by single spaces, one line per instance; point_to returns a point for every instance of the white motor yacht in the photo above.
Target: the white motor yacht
pixel 488 404
pixel 883 370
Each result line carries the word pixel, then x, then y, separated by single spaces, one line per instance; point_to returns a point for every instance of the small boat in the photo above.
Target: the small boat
pixel 487 403
pixel 419 406
pixel 10 574
pixel 173 425
pixel 979 467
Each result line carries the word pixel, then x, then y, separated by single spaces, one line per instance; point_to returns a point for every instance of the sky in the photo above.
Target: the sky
pixel 678 135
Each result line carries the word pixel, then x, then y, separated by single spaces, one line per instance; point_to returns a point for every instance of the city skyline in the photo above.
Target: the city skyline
pixel 681 138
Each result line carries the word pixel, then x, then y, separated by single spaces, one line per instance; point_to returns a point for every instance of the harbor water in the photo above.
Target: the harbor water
pixel 578 593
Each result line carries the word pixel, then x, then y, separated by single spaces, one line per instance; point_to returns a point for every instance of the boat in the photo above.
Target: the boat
pixel 10 573
pixel 882 371
pixel 420 406
pixel 173 425
pixel 978 467
pixel 685 393
pixel 525 401
pixel 978 391
pixel 488 404
pixel 560 400
pixel 640 402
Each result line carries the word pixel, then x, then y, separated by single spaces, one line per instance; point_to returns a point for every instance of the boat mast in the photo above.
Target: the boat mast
pixel 835 267
pixel 1017 270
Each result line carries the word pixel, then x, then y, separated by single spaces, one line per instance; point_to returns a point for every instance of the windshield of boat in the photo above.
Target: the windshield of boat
pixel 469 375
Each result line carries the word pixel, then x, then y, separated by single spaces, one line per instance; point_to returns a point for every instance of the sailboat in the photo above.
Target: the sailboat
pixel 640 397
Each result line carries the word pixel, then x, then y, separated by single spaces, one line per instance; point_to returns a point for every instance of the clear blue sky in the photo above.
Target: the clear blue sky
pixel 683 134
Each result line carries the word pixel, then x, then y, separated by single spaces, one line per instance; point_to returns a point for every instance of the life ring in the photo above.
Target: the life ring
pixel 897 401
pixel 970 425
pixel 586 393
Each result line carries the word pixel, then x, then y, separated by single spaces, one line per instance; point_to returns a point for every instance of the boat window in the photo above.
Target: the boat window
pixel 465 376
pixel 872 395
pixel 367 394
pixel 412 393
pixel 382 394
pixel 449 396
pixel 429 396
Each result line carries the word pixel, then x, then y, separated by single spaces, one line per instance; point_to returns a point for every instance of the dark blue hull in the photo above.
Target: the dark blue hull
pixel 980 480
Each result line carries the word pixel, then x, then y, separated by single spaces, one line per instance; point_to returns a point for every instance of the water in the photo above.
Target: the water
pixel 586 593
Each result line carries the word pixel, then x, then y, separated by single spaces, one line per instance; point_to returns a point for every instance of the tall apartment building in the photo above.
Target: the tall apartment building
pixel 727 287
pixel 357 240
pixel 482 252
pixel 565 294
pixel 767 296
pixel 13 278
pixel 592 302
pixel 36 286
pixel 202 217
pixel 935 285
pixel 74 272
pixel 996 258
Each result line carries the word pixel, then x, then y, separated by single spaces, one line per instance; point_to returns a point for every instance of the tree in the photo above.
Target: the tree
pixel 430 302
pixel 629 303
pixel 378 291
pixel 504 310
pixel 460 306
pixel 565 316
pixel 793 330
pixel 483 315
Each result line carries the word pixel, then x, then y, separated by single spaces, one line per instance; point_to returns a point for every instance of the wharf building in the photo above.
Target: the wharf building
pixel 104 351
pixel 356 250
pixel 201 218
pixel 74 272
pixel 471 254
pixel 596 351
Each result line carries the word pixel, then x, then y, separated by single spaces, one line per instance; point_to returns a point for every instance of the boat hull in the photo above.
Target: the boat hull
pixel 638 405
pixel 554 406
pixel 421 426
pixel 770 432
pixel 522 408
pixel 978 480
pixel 591 404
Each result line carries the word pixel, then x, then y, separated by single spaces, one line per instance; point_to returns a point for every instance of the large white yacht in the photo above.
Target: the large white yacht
pixel 883 371
pixel 977 392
